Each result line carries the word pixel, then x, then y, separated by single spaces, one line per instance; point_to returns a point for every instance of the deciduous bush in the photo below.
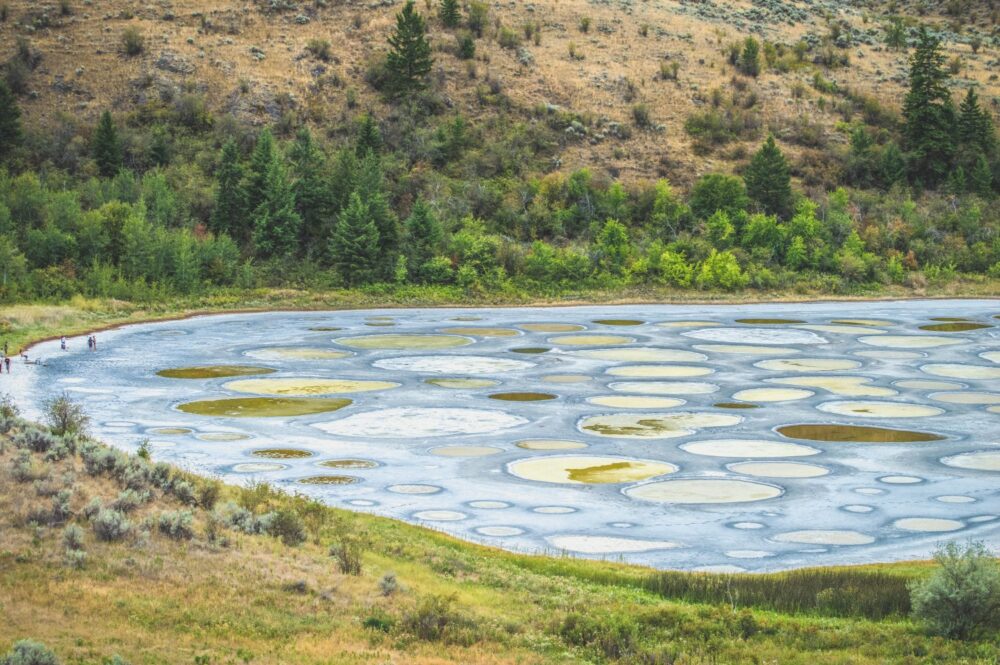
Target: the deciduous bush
pixel 65 416
pixel 961 599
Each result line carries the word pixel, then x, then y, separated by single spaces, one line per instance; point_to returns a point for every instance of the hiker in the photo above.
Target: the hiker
pixel 6 361
pixel 94 337
pixel 62 343
pixel 90 342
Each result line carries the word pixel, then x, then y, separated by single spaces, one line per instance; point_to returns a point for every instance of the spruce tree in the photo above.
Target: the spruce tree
pixel 929 114
pixel 409 60
pixel 10 122
pixel 263 155
pixel 371 189
pixel 312 192
pixel 450 13
pixel 276 224
pixel 423 239
pixel 975 127
pixel 344 179
pixel 354 244
pixel 107 147
pixel 769 181
pixel 230 213
pixel 369 137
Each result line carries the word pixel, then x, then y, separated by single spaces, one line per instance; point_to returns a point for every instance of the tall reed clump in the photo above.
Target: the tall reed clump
pixel 834 592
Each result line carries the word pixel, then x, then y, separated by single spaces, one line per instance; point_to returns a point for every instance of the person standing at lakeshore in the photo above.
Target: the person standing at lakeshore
pixel 62 343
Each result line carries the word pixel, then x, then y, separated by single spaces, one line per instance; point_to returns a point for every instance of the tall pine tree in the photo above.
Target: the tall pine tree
pixel 450 13
pixel 10 122
pixel 371 189
pixel 275 222
pixel 312 192
pixel 409 60
pixel 929 114
pixel 423 239
pixel 107 146
pixel 354 244
pixel 769 180
pixel 981 178
pixel 229 216
pixel 892 166
pixel 263 155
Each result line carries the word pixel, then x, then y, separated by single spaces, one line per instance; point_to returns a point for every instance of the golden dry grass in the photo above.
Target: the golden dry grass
pixel 619 67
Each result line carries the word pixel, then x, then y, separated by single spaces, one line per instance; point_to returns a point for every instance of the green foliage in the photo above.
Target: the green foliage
pixel 29 652
pixel 962 598
pixel 721 270
pixel 409 59
pixel 450 13
pixel 612 248
pixel 768 180
pixel 717 191
pixel 287 526
pixel 177 524
pixel 64 416
pixel 929 114
pixel 107 146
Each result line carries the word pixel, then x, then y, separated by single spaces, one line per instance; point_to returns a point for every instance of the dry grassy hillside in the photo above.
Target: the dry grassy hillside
pixel 599 59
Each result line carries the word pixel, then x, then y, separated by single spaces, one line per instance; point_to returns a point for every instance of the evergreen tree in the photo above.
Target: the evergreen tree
pixel 750 57
pixel 10 121
pixel 423 239
pixel 975 127
pixel 354 244
pixel 371 189
pixel 369 137
pixel 230 213
pixel 263 155
pixel 107 147
pixel 344 180
pixel 981 178
pixel 409 60
pixel 929 114
pixel 276 225
pixel 312 193
pixel 450 13
pixel 769 181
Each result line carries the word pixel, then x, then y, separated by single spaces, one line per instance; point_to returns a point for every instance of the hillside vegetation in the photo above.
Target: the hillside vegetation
pixel 516 150
pixel 115 558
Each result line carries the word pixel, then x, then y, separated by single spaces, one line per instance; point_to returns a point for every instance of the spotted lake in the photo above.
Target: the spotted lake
pixel 694 437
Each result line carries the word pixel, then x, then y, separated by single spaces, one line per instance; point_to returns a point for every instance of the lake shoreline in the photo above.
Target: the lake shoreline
pixel 183 314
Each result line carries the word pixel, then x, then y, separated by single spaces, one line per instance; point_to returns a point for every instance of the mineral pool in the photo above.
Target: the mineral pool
pixel 874 433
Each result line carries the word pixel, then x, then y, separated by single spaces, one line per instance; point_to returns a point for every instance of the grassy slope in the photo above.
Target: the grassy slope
pixel 167 602
pixel 207 45
pixel 163 601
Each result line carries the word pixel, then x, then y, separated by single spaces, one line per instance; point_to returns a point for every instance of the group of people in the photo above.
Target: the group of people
pixel 63 344
pixel 91 343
